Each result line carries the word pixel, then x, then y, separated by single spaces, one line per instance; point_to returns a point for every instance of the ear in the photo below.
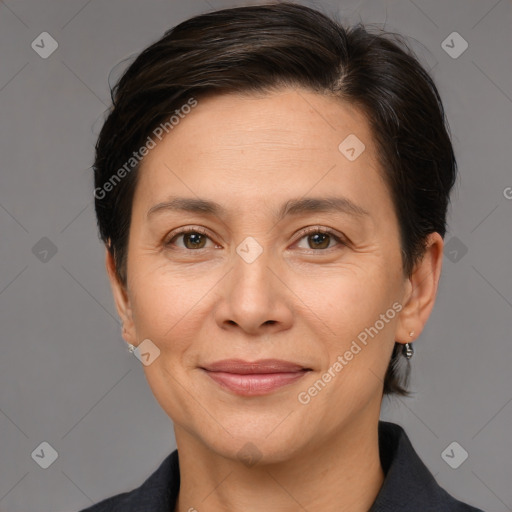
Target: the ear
pixel 421 291
pixel 121 299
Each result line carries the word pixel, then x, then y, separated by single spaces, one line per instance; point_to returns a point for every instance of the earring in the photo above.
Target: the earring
pixel 131 347
pixel 407 349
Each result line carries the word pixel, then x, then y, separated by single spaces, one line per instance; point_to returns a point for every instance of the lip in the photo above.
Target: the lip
pixel 242 367
pixel 254 378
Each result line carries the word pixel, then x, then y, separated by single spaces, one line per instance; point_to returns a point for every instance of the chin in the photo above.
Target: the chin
pixel 255 452
pixel 268 442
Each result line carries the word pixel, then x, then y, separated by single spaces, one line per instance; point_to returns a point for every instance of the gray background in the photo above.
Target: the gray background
pixel 65 374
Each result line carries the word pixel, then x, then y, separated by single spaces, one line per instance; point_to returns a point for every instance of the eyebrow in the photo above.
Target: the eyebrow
pixel 291 207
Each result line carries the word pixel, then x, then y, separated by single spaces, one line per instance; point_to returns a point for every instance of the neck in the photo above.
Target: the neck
pixel 342 473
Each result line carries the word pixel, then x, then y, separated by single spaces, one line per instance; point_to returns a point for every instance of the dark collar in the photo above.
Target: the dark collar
pixel 408 485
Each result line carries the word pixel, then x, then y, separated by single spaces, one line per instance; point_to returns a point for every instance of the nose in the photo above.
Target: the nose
pixel 255 298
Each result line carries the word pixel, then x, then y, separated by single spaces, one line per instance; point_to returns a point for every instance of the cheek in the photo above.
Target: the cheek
pixel 361 311
pixel 353 299
pixel 169 307
pixel 360 308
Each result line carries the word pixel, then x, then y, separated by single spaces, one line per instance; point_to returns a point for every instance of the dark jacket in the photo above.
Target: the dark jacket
pixel 408 485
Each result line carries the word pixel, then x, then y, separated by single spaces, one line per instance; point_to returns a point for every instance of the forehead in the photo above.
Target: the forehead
pixel 282 143
pixel 289 118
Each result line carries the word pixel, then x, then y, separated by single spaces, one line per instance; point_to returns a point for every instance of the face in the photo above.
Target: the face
pixel 274 272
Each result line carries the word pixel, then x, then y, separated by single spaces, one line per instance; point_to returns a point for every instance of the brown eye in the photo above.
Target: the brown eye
pixel 320 239
pixel 193 238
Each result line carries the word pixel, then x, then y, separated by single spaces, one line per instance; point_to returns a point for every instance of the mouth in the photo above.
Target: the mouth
pixel 255 378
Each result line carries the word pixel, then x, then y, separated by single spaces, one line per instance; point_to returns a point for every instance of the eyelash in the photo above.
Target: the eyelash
pixel 303 233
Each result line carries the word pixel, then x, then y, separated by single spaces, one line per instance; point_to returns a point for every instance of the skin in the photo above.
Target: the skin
pixel 303 300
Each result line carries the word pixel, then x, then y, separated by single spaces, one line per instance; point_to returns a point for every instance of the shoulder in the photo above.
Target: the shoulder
pixel 157 493
pixel 408 484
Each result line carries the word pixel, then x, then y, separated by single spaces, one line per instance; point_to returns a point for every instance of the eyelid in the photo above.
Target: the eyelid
pixel 317 229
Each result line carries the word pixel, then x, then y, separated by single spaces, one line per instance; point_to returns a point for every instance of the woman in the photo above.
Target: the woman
pixel 272 191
